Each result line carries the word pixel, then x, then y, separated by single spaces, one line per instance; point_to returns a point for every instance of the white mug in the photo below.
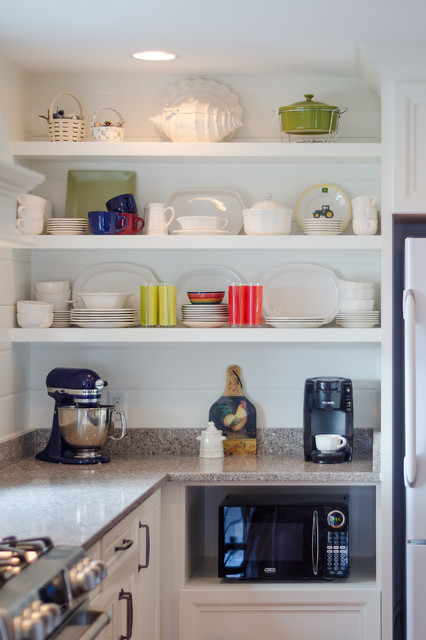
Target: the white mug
pixel 30 200
pixel 329 442
pixel 156 219
pixel 364 201
pixel 30 225
pixel 30 212
pixel 365 213
pixel 364 227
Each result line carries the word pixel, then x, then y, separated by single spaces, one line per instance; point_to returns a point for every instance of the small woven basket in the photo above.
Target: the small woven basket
pixel 66 129
pixel 107 134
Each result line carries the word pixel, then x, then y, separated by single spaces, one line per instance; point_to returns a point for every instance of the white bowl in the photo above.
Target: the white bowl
pixel 258 222
pixel 53 297
pixel 355 284
pixel 33 306
pixel 62 305
pixel 32 320
pixel 356 305
pixel 357 294
pixel 104 300
pixel 52 286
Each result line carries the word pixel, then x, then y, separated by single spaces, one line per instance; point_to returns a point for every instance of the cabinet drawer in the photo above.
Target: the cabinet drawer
pixel 120 542
pixel 233 615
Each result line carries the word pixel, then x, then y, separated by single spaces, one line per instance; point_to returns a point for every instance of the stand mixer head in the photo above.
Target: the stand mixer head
pixel 81 425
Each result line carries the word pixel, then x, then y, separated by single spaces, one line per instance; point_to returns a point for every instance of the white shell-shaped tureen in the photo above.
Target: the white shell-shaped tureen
pixel 198 111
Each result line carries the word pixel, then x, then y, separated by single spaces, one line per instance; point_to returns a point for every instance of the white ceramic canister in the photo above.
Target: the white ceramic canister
pixel 211 442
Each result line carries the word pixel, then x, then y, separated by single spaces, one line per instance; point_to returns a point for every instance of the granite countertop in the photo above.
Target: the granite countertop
pixel 77 505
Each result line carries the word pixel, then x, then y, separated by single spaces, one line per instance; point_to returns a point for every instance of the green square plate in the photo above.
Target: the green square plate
pixel 90 190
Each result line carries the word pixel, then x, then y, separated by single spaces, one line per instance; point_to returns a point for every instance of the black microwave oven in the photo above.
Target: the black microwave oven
pixel 282 537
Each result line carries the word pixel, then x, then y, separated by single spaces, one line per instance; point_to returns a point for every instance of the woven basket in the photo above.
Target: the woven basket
pixel 66 129
pixel 107 134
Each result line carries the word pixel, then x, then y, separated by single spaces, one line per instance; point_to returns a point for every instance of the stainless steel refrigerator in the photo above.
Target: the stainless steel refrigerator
pixel 409 430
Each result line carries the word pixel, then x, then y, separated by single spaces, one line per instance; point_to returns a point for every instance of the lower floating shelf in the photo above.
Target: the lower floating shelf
pixel 200 335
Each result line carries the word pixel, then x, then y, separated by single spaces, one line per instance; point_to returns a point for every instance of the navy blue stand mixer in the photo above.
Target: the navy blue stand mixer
pixel 81 425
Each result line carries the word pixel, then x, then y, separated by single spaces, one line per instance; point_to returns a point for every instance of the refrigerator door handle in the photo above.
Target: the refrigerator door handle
pixel 409 313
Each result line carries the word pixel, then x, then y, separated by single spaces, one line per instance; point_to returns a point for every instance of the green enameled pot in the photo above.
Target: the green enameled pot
pixel 309 117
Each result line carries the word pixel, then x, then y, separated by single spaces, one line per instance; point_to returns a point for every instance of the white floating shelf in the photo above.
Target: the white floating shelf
pixel 242 151
pixel 184 335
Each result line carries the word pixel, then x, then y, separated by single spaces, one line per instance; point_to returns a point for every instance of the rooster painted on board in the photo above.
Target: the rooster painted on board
pixel 233 413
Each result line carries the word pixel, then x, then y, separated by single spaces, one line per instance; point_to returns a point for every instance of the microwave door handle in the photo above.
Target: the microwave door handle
pixel 315 542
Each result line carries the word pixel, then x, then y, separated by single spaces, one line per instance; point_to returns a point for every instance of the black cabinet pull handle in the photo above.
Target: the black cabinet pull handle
pixel 126 595
pixel 147 548
pixel 126 545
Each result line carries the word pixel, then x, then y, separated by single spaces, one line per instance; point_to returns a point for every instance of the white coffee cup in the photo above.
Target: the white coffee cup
pixel 30 225
pixel 365 213
pixel 364 227
pixel 329 442
pixel 30 200
pixel 364 201
pixel 30 212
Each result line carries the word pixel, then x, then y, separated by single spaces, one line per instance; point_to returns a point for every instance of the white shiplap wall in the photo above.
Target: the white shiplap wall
pixel 174 386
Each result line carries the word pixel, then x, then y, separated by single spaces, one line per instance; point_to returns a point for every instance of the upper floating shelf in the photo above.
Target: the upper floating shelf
pixel 241 151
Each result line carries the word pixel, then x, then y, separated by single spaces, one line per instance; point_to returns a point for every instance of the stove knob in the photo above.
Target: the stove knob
pixel 51 613
pixel 100 570
pixel 27 628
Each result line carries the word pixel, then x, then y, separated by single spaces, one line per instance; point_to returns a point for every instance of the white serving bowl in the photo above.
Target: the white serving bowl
pixel 258 222
pixel 104 300
pixel 52 286
pixel 32 320
pixel 33 306
pixel 356 305
pixel 202 222
pixel 53 297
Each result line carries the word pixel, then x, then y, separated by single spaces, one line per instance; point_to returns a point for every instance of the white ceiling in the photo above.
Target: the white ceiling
pixel 211 37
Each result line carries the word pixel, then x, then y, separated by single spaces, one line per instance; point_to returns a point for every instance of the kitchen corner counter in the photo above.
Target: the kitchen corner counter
pixel 77 505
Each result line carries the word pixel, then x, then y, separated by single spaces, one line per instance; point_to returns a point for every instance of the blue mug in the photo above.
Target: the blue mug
pixel 124 203
pixel 106 222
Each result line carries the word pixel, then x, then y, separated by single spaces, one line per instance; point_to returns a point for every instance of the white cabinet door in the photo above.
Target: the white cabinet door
pixel 409 169
pixel 148 604
pixel 237 615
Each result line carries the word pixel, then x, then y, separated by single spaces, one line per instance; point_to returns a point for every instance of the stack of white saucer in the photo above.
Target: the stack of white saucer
pixel 322 227
pixel 67 226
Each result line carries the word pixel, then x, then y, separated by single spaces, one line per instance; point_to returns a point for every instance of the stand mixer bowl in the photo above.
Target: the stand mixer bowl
pixel 86 430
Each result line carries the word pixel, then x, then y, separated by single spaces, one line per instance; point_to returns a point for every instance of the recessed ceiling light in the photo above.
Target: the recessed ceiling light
pixel 154 55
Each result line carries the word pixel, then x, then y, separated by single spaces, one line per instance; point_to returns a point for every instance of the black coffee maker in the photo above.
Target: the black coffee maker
pixel 327 408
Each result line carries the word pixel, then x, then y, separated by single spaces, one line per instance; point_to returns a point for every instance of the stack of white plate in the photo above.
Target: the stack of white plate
pixel 358 319
pixel 322 227
pixel 357 304
pixel 204 315
pixel 67 226
pixel 294 322
pixel 61 318
pixel 103 318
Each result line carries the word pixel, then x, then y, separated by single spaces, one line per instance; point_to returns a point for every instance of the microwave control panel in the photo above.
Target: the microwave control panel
pixel 337 545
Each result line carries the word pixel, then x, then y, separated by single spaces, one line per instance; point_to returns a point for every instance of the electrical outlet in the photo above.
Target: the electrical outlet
pixel 118 399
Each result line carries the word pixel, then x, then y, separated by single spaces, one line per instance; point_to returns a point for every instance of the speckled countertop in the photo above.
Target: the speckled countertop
pixel 77 505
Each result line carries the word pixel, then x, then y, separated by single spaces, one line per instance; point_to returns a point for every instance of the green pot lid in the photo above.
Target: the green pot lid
pixel 307 104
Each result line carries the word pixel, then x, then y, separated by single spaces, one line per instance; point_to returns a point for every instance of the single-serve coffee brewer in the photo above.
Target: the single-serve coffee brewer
pixel 328 411
pixel 81 425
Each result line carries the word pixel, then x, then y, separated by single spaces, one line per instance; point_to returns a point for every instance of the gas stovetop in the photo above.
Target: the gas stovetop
pixel 42 585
